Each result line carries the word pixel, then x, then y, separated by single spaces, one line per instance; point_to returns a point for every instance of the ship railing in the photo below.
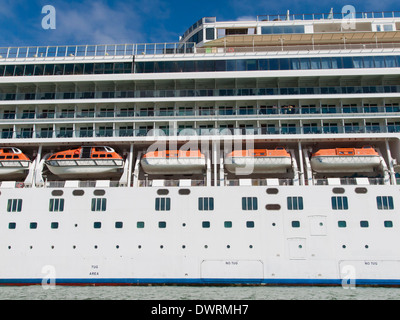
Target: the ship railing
pixel 78 183
pixel 349 181
pixel 260 182
pixel 183 93
pixel 330 16
pixel 307 111
pixel 165 133
pixel 281 47
pixel 96 51
pixel 170 183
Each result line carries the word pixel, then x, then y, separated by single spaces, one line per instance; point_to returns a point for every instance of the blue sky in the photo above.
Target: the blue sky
pixel 142 21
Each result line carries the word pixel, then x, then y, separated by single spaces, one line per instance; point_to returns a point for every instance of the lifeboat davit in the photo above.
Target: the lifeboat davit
pixel 13 161
pixel 363 159
pixel 85 161
pixel 173 162
pixel 259 160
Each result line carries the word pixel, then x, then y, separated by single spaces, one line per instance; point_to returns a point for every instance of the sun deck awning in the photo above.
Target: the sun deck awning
pixel 304 38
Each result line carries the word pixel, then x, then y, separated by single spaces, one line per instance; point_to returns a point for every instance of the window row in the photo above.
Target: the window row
pixel 204 224
pixel 207 204
pixel 65 69
pixel 268 64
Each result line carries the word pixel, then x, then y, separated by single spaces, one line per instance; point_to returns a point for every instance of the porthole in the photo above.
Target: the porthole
pixel 78 192
pixel 272 191
pixel 361 190
pixel 57 193
pixel 162 192
pixel 184 192
pixel 338 190
pixel 99 192
pixel 273 207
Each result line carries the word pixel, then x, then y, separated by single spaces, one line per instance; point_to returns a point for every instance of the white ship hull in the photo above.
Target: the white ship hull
pixel 345 164
pixel 258 165
pixel 173 165
pixel 183 252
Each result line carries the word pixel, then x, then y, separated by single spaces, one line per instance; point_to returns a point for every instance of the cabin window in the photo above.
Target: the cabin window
pixel 12 225
pixel 205 224
pixel 295 224
pixel 339 203
pixel 163 204
pixel 206 203
pixel 119 224
pixel 249 203
pixel 228 224
pixel 162 224
pixel 385 203
pixel 78 192
pixel 140 224
pixel 54 225
pixel 33 225
pixel 56 205
pixel 342 224
pixel 14 205
pixel 364 224
pixel 97 225
pixel 388 224
pixel 250 224
pixel 99 204
pixel 295 203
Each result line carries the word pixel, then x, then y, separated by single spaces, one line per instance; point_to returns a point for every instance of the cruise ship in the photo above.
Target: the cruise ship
pixel 261 152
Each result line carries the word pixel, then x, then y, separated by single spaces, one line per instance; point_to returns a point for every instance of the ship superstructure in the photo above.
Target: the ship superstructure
pixel 250 152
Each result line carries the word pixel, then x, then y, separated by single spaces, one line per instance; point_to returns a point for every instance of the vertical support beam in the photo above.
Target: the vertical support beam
pixel 130 164
pixel 301 165
pixel 390 160
pixel 214 161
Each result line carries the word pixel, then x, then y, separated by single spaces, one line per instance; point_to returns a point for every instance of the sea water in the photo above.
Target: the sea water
pixel 196 293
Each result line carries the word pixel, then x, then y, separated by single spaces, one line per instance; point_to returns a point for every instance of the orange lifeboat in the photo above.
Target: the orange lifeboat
pixel 276 160
pixel 12 161
pixel 85 160
pixel 173 162
pixel 363 159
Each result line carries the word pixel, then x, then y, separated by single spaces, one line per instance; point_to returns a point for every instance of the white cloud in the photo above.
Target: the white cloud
pixel 97 22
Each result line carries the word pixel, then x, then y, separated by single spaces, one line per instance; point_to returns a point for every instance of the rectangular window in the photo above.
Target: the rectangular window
pixel 342 224
pixel 295 203
pixel 364 224
pixel 140 224
pixel 339 203
pixel 228 224
pixel 12 225
pixel 54 225
pixel 295 224
pixel 33 225
pixel 162 224
pixel 97 225
pixel 99 204
pixel 119 224
pixel 384 202
pixel 249 203
pixel 206 224
pixel 250 224
pixel 14 205
pixel 163 204
pixel 56 205
pixel 206 204
pixel 388 224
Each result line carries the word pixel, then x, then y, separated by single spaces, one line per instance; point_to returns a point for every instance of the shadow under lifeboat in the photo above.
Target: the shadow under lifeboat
pixel 276 160
pixel 86 161
pixel 173 162
pixel 13 161
pixel 363 159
